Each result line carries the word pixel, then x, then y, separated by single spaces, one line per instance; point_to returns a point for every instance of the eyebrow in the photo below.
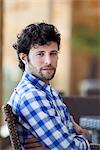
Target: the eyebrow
pixel 45 51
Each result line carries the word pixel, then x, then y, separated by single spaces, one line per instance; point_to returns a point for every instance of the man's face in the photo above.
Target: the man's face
pixel 42 61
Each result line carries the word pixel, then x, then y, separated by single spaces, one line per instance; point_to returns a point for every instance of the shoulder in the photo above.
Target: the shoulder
pixel 23 89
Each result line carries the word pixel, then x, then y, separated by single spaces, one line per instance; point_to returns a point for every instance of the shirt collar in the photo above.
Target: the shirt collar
pixel 36 82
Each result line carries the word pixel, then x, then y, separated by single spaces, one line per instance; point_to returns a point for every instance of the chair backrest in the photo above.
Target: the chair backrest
pixel 11 120
pixel 11 123
pixel 83 105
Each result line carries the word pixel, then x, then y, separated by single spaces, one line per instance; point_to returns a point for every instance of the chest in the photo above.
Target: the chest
pixel 58 105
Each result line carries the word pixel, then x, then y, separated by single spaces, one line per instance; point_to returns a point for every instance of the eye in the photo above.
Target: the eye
pixel 40 54
pixel 54 53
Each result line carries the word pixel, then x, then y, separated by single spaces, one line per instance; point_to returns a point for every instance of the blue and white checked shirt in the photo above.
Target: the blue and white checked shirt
pixel 42 113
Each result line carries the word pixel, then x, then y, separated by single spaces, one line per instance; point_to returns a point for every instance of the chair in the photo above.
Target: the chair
pixel 30 144
pixel 83 105
pixel 95 146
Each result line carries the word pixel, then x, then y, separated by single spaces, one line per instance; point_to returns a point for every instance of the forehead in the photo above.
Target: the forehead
pixel 46 47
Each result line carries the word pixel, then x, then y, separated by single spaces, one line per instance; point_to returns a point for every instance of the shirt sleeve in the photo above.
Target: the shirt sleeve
pixel 40 118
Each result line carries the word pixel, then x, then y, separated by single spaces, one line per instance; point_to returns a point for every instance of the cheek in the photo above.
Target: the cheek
pixel 36 62
pixel 55 61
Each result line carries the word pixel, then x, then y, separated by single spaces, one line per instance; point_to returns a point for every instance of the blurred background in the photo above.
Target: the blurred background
pixel 78 21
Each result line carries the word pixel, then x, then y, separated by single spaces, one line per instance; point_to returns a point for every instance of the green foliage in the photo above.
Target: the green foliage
pixel 87 39
pixel 10 80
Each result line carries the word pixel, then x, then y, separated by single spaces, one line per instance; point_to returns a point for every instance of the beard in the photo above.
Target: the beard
pixel 41 73
pixel 47 76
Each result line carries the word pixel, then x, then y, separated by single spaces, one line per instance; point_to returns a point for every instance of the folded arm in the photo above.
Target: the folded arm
pixel 43 122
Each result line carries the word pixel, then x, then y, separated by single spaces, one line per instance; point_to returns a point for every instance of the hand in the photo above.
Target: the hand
pixel 81 131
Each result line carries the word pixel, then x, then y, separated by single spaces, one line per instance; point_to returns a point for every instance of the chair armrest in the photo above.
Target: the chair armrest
pixel 33 143
pixel 95 146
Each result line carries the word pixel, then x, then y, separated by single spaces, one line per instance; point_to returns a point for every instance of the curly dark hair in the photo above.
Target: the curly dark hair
pixel 39 33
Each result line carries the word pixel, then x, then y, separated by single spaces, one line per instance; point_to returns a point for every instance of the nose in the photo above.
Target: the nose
pixel 47 59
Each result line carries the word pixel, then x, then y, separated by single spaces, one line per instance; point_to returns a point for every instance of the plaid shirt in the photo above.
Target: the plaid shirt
pixel 42 113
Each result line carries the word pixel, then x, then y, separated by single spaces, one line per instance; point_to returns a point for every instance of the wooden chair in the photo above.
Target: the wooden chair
pixel 30 144
pixel 95 146
pixel 83 105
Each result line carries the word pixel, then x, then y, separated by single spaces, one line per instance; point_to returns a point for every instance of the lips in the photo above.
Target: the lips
pixel 48 68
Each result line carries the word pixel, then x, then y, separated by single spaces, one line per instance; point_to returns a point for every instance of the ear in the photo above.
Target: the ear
pixel 23 57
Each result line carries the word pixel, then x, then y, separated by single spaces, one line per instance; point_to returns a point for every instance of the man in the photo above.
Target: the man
pixel 39 108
